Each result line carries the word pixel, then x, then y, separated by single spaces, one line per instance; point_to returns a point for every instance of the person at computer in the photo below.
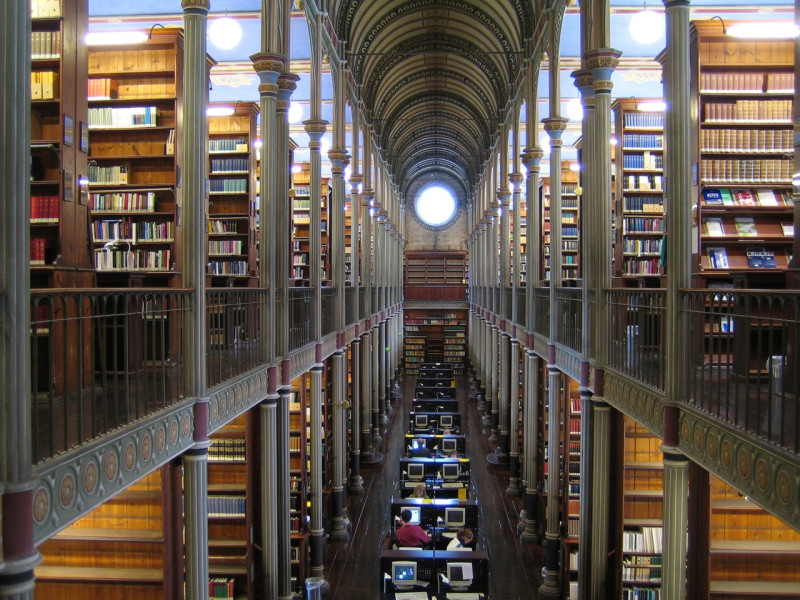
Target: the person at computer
pixel 409 534
pixel 463 539
pixel 421 451
pixel 420 492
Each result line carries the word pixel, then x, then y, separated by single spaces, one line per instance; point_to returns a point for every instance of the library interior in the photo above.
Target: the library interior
pixel 272 327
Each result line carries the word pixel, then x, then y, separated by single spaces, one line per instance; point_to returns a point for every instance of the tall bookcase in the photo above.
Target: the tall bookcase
pixel 438 333
pixel 135 115
pixel 435 268
pixel 744 91
pixel 232 470
pixel 301 223
pixel 571 482
pixel 58 218
pixel 639 202
pixel 642 512
pixel 232 197
pixel 570 226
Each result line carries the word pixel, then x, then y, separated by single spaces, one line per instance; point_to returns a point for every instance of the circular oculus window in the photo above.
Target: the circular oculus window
pixel 435 206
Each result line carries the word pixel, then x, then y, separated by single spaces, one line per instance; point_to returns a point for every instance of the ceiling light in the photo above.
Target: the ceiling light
pixel 652 106
pixel 101 38
pixel 295 112
pixel 614 141
pixel 575 110
pixel 296 168
pixel 647 26
pixel 575 167
pixel 764 30
pixel 219 111
pixel 225 33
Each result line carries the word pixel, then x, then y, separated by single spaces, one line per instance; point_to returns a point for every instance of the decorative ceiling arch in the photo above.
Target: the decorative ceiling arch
pixel 435 78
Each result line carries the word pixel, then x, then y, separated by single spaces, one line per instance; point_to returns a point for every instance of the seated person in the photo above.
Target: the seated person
pixel 463 540
pixel 410 535
pixel 421 451
pixel 419 492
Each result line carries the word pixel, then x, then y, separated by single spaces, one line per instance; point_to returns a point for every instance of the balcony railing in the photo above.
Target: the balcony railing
pixel 570 318
pixel 328 310
pixel 636 334
pixel 300 314
pixel 541 312
pixel 101 360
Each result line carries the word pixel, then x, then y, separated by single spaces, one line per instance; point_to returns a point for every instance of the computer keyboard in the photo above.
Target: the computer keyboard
pixel 463 596
pixel 452 485
pixel 412 596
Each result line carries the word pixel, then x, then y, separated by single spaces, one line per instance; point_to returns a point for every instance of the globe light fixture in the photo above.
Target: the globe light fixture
pixel 225 33
pixel 295 112
pixel 647 26
pixel 575 110
pixel 764 30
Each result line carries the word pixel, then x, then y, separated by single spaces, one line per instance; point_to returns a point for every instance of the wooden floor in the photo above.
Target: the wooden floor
pixel 352 566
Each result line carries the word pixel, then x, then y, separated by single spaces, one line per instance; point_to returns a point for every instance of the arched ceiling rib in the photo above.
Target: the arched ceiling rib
pixel 435 78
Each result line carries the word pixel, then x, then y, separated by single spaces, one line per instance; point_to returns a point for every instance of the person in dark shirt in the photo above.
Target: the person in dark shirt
pixel 409 534
pixel 420 452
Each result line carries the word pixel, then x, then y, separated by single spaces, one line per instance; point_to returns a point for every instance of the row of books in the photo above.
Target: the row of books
pixel 226 506
pixel 301 204
pixel 131 260
pixel 644 204
pixel 230 165
pixel 228 267
pixel 225 246
pixel 229 449
pixel 131 116
pixel 46 44
pixel 636 593
pixel 640 266
pixel 651 141
pixel 45 9
pixel 753 111
pixel 649 540
pixel 641 568
pixel 643 183
pixel 645 120
pixel 640 246
pixel 757 257
pixel 221 587
pixel 746 140
pixel 45 209
pixel 744 227
pixel 223 226
pixel 113 175
pixel 746 197
pixel 44 85
pixel 227 145
pixel 762 170
pixel 123 202
pixel 229 185
pixel 131 231
pixel 746 82
pixel 645 160
pixel 642 225
pixel 38 249
pixel 103 88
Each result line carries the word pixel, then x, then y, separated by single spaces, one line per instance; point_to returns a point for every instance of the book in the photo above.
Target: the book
pixel 759 258
pixel 744 198
pixel 727 197
pixel 745 226
pixel 712 197
pixel 718 257
pixel 766 197
pixel 714 227
pixel 788 228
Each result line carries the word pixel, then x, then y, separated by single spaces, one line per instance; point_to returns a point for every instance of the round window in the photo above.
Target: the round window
pixel 435 206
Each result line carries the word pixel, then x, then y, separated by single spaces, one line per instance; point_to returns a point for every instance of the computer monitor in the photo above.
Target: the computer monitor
pixel 416 513
pixel 446 421
pixel 449 445
pixel 450 471
pixel 420 421
pixel 454 517
pixel 404 574
pixel 417 443
pixel 460 575
pixel 416 471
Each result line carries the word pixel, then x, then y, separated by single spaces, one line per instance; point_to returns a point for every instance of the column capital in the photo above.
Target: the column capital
pixel 602 62
pixel 356 178
pixel 555 126
pixel 315 128
pixel 532 157
pixel 268 67
pixel 504 197
pixel 287 83
pixel 516 179
pixel 339 159
pixel 583 80
pixel 196 5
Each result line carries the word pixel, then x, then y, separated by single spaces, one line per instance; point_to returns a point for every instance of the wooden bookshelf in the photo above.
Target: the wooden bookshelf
pixel 231 213
pixel 300 197
pixel 642 511
pixel 232 460
pixel 135 106
pixel 751 552
pixel 570 485
pixel 744 91
pixel 639 201
pixel 570 226
pixel 438 333
pixel 120 548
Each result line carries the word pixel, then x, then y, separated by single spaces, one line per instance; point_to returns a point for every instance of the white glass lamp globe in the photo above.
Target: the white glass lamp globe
pixel 647 26
pixel 225 33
